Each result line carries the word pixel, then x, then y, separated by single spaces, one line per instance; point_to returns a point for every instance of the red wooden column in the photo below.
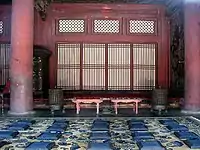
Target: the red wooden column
pixel 21 67
pixel 192 58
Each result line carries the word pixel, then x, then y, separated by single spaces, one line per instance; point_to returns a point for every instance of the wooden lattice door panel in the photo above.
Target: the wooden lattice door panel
pixel 93 66
pixel 119 66
pixel 84 66
pixel 4 62
pixel 68 69
pixel 144 66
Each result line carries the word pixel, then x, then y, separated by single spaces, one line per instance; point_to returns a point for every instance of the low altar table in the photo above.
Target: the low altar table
pixel 134 100
pixel 86 101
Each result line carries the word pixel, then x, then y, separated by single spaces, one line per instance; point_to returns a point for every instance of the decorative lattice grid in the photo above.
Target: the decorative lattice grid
pixel 5 50
pixel 141 26
pixel 1 27
pixel 68 69
pixel 71 26
pixel 106 26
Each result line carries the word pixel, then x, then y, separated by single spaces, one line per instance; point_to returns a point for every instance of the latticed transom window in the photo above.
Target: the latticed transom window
pixel 71 26
pixel 141 27
pixel 1 27
pixel 106 26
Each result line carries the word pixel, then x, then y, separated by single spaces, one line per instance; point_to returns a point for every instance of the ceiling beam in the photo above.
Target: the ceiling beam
pixel 41 6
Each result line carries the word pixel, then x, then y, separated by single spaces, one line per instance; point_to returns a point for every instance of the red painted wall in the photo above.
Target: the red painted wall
pixel 45 31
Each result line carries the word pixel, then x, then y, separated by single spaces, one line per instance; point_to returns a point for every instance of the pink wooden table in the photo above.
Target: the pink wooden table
pixel 134 100
pixel 86 101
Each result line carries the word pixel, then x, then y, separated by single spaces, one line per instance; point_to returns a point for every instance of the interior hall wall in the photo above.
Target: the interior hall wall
pixel 45 35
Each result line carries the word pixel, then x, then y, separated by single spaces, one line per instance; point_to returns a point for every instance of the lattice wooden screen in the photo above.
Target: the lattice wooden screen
pixel 95 72
pixel 71 26
pixel 144 66
pixel 1 27
pixel 68 72
pixel 4 63
pixel 94 66
pixel 106 26
pixel 141 27
pixel 119 66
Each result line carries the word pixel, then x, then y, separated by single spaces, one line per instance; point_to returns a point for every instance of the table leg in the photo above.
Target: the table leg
pixel 136 107
pixel 97 108
pixel 116 111
pixel 77 108
pixel 2 104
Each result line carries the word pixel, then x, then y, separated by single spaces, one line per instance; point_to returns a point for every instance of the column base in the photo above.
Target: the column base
pixel 21 114
pixel 191 112
pixel 191 108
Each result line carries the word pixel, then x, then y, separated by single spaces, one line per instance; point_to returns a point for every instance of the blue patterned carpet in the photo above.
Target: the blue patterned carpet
pixel 75 134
